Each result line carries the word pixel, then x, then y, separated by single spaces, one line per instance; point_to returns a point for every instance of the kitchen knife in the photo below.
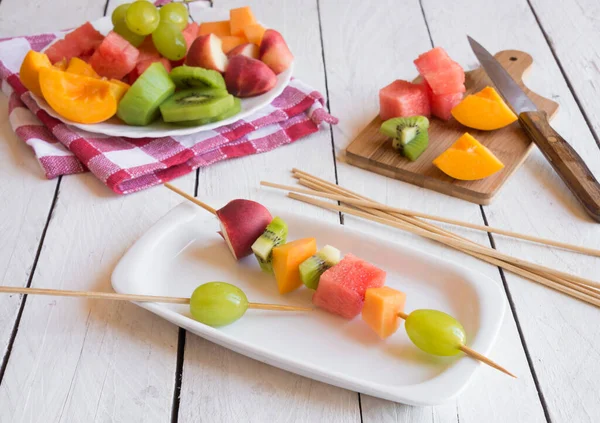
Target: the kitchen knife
pixel 563 158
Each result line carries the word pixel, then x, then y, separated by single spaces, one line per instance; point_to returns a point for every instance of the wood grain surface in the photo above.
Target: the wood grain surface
pixel 373 151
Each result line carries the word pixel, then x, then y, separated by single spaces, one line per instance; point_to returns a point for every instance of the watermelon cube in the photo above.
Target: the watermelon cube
pixel 82 41
pixel 115 57
pixel 443 74
pixel 147 50
pixel 403 98
pixel 141 66
pixel 342 288
pixel 190 33
pixel 442 104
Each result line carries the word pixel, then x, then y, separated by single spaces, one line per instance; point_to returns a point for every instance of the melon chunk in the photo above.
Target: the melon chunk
pixel 239 19
pixel 485 110
pixel 220 28
pixel 403 98
pixel 230 42
pixel 381 309
pixel 468 160
pixel 342 287
pixel 443 74
pixel 286 262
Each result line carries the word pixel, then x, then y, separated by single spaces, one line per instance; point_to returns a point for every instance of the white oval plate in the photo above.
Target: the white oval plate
pixel 183 250
pixel 114 127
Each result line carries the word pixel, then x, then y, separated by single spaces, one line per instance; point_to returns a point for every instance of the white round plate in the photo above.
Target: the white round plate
pixel 114 126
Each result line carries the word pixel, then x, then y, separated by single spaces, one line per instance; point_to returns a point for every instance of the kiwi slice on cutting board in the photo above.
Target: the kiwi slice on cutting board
pixel 313 267
pixel 275 234
pixel 192 76
pixel 140 104
pixel 196 103
pixel 234 110
pixel 410 136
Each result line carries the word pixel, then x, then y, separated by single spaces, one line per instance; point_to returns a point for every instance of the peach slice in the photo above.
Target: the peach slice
pixel 485 110
pixel 274 52
pixel 247 77
pixel 30 71
pixel 207 52
pixel 248 50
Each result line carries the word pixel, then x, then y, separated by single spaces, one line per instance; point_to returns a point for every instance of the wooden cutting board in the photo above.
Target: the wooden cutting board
pixel 373 151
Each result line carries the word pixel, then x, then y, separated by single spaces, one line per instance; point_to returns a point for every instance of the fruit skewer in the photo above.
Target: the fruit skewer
pixel 448 337
pixel 213 303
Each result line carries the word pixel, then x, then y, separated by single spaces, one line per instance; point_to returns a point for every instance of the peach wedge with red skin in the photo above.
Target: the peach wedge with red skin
pixel 249 50
pixel 274 52
pixel 207 52
pixel 247 77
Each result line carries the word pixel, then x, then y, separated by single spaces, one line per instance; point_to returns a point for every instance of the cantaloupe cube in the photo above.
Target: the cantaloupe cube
pixel 239 19
pixel 230 42
pixel 381 308
pixel 254 33
pixel 286 262
pixel 219 28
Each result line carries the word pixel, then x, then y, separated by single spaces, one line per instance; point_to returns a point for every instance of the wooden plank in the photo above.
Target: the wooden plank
pixel 373 151
pixel 76 360
pixel 359 63
pixel 222 386
pixel 561 343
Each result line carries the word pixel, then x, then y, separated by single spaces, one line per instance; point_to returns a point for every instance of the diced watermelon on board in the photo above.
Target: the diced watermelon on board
pixel 115 57
pixel 403 98
pixel 82 41
pixel 443 74
pixel 442 104
pixel 342 288
pixel 141 66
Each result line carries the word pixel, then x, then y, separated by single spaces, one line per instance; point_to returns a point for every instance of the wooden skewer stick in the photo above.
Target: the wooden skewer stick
pixel 500 258
pixel 192 199
pixel 383 207
pixel 472 353
pixel 133 297
pixel 557 276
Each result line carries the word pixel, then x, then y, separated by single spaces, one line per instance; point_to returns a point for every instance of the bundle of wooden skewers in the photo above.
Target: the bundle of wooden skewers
pixel 417 223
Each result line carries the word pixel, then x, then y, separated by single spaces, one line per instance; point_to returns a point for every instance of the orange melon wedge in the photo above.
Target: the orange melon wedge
pixel 485 110
pixel 76 97
pixel 287 259
pixel 468 160
pixel 30 71
pixel 240 18
pixel 380 310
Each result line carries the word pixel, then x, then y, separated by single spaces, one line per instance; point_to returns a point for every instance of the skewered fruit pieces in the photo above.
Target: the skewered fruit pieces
pixel 78 98
pixel 313 267
pixel 274 235
pixel 468 160
pixel 242 222
pixel 140 105
pixel 30 71
pixel 485 110
pixel 381 309
pixel 435 332
pixel 218 303
pixel 287 258
pixel 274 51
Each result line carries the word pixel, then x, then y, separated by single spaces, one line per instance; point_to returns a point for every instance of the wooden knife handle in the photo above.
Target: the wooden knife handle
pixel 565 161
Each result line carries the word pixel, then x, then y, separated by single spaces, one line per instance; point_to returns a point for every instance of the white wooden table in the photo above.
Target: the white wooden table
pixel 66 360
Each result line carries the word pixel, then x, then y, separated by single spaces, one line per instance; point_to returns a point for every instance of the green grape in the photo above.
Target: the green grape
pixel 435 332
pixel 142 17
pixel 119 13
pixel 123 30
pixel 169 41
pixel 176 14
pixel 218 303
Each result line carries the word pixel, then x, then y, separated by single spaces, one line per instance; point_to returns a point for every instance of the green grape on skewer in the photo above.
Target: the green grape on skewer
pixel 438 333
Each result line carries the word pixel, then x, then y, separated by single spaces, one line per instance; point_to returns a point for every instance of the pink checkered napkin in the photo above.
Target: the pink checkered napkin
pixel 128 165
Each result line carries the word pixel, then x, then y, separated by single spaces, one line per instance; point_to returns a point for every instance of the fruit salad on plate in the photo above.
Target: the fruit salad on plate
pixel 155 65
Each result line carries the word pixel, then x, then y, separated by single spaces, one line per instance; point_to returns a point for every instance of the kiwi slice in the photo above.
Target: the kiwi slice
pixel 140 104
pixel 196 103
pixel 313 267
pixel 275 234
pixel 234 110
pixel 192 76
pixel 409 135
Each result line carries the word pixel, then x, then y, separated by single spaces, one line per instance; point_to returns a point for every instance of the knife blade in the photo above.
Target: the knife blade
pixel 507 87
pixel 562 156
